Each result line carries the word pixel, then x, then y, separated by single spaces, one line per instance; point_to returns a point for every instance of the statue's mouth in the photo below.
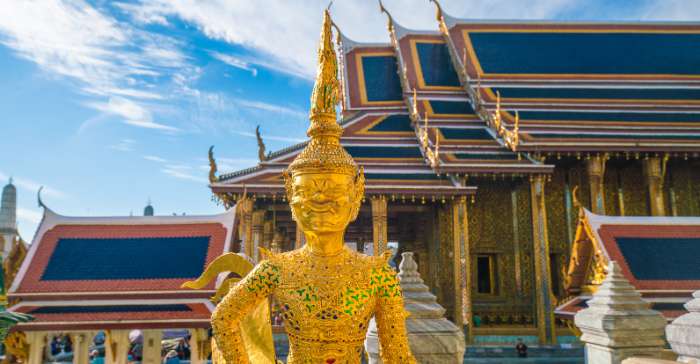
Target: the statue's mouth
pixel 330 206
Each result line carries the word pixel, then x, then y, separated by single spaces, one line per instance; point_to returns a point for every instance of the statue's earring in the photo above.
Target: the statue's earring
pixel 359 192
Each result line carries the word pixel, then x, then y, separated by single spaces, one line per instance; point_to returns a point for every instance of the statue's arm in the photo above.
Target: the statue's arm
pixel 243 297
pixel 390 317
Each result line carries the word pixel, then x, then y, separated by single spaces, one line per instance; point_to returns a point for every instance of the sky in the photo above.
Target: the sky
pixel 107 104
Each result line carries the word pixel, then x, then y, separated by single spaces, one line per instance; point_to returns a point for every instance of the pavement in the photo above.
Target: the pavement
pixel 523 360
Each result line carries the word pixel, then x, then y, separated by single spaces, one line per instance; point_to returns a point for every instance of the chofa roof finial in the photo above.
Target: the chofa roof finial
pixel 391 23
pixel 438 16
pixel 212 166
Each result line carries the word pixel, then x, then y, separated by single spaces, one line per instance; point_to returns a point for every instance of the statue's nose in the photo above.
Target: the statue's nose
pixel 321 197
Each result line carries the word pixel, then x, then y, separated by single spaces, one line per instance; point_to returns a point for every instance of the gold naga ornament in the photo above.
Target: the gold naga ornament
pixel 327 292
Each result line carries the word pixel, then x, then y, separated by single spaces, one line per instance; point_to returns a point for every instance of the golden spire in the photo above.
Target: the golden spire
pixel 324 154
pixel 326 92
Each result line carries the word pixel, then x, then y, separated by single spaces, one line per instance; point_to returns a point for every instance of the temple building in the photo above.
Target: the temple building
pixel 473 138
pixel 657 253
pixel 85 275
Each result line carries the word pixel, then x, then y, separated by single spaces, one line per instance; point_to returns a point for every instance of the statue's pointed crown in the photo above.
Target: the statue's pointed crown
pixel 324 154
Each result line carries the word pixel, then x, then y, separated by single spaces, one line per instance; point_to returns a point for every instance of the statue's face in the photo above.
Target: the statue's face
pixel 323 202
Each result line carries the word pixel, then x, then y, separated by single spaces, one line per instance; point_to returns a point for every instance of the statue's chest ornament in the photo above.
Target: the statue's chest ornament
pixel 327 301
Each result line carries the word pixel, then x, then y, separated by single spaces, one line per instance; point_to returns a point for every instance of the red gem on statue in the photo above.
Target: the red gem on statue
pixel 330 361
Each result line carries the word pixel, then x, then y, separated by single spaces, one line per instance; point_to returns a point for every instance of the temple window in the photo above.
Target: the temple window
pixel 486 274
pixel 554 273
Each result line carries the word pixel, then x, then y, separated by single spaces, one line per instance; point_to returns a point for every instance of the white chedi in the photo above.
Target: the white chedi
pixel 684 332
pixel 618 324
pixel 432 338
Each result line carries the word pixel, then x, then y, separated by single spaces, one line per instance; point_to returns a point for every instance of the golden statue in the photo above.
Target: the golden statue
pixel 327 292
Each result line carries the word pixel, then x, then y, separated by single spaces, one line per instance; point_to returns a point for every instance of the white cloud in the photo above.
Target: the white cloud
pixel 269 107
pixel 264 137
pixel 125 145
pixel 31 216
pixel 184 175
pixel 134 114
pixel 287 32
pixel 74 39
pixel 234 61
pixel 33 187
pixel 150 125
pixel 128 109
pixel 682 10
pixel 155 159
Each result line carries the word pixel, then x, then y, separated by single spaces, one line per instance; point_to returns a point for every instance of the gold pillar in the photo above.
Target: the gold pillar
pixel 462 270
pixel 420 246
pixel 379 224
pixel 268 234
pixel 257 231
pixel 287 242
pixel 595 166
pixel 278 242
pixel 545 309
pixel 246 225
pixel 301 239
pixel 654 170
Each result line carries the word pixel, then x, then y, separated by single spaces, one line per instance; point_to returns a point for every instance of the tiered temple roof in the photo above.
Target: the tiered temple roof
pixel 658 255
pixel 84 273
pixel 422 113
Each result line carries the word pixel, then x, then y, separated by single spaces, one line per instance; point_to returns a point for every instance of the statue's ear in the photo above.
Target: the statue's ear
pixel 359 192
pixel 287 184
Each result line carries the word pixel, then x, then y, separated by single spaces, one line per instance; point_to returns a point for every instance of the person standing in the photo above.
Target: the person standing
pixel 138 351
pixel 278 319
pixel 521 349
pixel 96 358
pixel 55 347
pixel 171 358
pixel 68 344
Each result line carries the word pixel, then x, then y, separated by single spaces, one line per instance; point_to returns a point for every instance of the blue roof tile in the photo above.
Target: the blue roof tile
pixel 436 65
pixel 466 134
pixel 613 136
pixel 393 123
pixel 381 78
pixel 452 107
pixel 128 258
pixel 611 116
pixel 384 152
pixel 668 306
pixel 599 93
pixel 680 257
pixel 111 308
pixel 587 53
pixel 583 303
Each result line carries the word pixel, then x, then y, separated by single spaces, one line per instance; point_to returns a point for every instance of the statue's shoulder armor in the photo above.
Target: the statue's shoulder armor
pixel 274 259
pixel 279 260
pixel 377 265
pixel 382 260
